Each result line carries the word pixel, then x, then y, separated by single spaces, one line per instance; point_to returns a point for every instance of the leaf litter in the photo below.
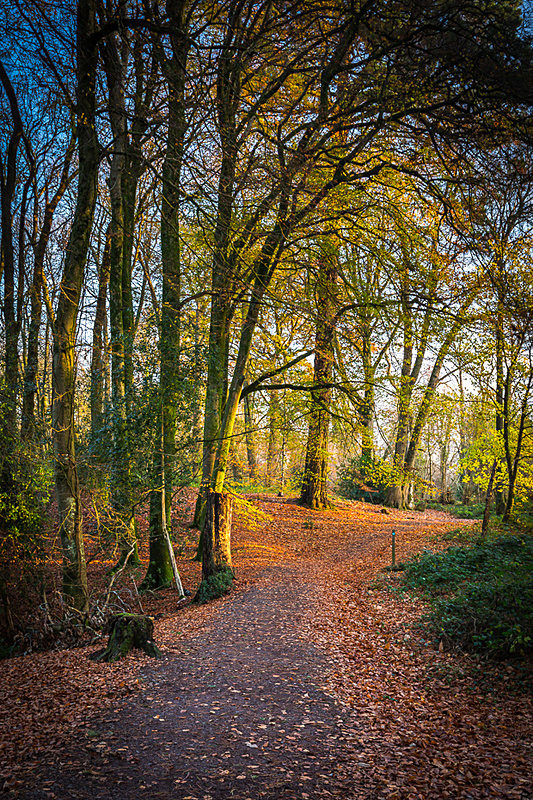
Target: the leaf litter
pixel 373 710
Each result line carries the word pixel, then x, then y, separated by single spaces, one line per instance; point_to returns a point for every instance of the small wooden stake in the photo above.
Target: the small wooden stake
pixel 393 548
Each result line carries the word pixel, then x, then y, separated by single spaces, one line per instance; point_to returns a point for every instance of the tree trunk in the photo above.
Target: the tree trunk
pixel 115 61
pixel 8 180
pixel 29 425
pixel 67 488
pixel 514 462
pixel 98 352
pixel 488 500
pixel 251 450
pixel 499 494
pixel 397 496
pixel 367 410
pixel 217 569
pixel 169 376
pixel 222 277
pixel 159 573
pixel 314 493
pixel 273 439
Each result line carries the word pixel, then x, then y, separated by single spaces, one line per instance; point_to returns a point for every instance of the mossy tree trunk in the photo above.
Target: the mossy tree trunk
pixel 217 569
pixel 12 317
pixel 222 273
pixel 64 359
pixel 160 571
pixel 115 58
pixel 127 166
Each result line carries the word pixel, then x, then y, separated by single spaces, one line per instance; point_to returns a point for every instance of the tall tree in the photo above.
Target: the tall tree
pixel 314 493
pixel 12 319
pixel 175 68
pixel 64 331
pixel 374 50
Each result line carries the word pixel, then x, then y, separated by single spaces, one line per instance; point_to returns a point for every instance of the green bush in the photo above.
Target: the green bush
pixel 356 478
pixel 468 512
pixel 482 595
pixel 488 618
pixel 25 488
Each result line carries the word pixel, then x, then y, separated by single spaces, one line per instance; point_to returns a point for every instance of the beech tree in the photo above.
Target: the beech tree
pixel 64 324
pixel 314 484
pixel 175 69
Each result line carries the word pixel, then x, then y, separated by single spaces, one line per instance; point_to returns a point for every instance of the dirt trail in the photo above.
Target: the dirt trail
pixel 304 683
pixel 235 714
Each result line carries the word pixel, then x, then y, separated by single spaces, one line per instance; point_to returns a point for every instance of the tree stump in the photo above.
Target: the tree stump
pixel 126 632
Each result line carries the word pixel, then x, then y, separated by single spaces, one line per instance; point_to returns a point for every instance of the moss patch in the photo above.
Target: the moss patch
pixel 215 586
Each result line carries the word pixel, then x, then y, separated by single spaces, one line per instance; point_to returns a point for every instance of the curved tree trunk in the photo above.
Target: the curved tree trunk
pixel 64 359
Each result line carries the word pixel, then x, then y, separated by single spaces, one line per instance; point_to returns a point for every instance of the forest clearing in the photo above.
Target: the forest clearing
pixel 309 680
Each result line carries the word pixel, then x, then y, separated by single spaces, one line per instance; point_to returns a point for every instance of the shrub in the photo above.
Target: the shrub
pixel 482 595
pixel 488 618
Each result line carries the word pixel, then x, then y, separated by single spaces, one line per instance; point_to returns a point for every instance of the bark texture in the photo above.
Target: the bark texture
pixel 64 358
pixel 314 493
pixel 128 632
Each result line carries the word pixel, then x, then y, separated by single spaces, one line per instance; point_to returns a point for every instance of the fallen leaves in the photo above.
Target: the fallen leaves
pixel 421 727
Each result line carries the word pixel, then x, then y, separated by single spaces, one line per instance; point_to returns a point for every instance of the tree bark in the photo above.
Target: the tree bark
pixel 314 493
pixel 98 351
pixel 499 494
pixel 64 359
pixel 217 568
pixel 8 177
pixel 169 377
pixel 488 500
pixel 29 425
pixel 251 449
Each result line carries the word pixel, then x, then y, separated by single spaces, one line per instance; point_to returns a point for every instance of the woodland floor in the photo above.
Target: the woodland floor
pixel 308 681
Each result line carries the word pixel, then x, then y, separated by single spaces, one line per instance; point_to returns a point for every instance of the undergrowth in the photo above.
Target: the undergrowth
pixel 459 510
pixel 482 595
pixel 214 586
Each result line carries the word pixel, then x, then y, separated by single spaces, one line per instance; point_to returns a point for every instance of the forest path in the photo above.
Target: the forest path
pixel 237 713
pixel 306 682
